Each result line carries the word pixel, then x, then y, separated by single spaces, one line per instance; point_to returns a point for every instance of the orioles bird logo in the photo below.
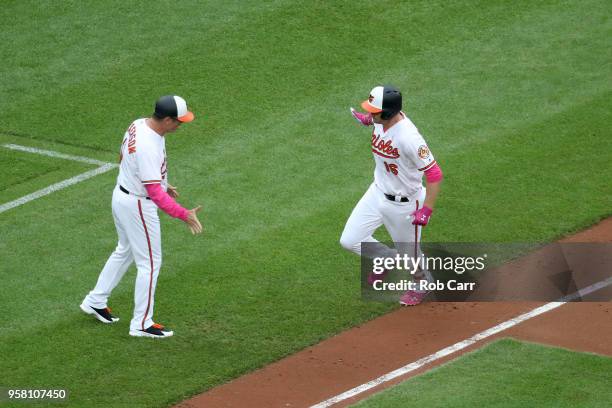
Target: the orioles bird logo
pixel 370 98
pixel 423 152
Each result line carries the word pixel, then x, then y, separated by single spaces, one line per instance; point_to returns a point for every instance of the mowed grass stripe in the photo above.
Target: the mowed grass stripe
pixel 311 52
pixel 104 69
pixel 64 146
pixel 278 165
pixel 525 375
pixel 536 182
pixel 24 173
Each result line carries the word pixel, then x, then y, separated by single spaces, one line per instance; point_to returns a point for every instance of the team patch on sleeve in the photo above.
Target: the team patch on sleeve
pixel 423 152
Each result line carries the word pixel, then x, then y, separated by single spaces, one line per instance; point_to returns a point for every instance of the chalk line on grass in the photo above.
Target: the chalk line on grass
pixel 104 167
pixel 462 344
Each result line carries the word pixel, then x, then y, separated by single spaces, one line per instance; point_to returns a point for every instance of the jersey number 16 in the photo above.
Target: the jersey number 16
pixel 391 168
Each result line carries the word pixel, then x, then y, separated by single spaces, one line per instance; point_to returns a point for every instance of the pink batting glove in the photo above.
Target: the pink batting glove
pixel 364 118
pixel 421 216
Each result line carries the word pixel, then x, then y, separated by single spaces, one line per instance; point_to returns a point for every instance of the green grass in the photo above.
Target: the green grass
pixel 24 173
pixel 513 98
pixel 507 373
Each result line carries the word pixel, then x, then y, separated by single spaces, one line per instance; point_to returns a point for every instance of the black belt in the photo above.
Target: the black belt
pixel 391 197
pixel 127 192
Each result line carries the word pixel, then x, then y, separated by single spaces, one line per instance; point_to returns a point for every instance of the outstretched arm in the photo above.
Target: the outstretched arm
pixel 168 205
pixel 364 118
pixel 165 202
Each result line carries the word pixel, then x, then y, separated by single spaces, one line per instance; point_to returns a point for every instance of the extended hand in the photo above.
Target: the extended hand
pixel 364 118
pixel 193 222
pixel 421 216
pixel 172 191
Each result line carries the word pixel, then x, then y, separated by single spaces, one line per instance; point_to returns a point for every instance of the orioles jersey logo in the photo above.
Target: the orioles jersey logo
pixel 384 148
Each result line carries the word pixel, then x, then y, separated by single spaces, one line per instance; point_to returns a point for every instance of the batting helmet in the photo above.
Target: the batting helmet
pixel 386 99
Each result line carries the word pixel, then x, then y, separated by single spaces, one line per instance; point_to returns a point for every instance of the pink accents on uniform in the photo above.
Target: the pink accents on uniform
pixel 429 166
pixel 433 174
pixel 416 233
pixel 412 298
pixel 421 216
pixel 165 202
pixel 364 118
pixel 144 224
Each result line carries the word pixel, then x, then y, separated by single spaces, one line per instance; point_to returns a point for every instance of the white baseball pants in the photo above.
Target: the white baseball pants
pixel 374 210
pixel 138 228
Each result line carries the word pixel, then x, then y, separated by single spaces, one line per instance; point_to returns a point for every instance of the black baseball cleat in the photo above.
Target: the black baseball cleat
pixel 156 331
pixel 103 315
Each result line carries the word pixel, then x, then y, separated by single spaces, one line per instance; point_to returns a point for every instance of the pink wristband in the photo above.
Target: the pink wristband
pixel 434 174
pixel 165 202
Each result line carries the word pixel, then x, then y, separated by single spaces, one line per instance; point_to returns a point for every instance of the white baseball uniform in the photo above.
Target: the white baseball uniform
pixel 401 156
pixel 143 161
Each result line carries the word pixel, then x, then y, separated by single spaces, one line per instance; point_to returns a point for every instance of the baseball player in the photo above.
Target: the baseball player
pixel 142 187
pixel 397 198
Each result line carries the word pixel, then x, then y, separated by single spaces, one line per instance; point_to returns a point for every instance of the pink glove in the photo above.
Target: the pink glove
pixel 421 216
pixel 364 118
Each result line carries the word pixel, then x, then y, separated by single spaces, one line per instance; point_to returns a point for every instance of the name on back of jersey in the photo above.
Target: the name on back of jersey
pixel 132 139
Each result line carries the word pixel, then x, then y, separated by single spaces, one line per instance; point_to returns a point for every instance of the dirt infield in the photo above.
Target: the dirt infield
pixel 380 346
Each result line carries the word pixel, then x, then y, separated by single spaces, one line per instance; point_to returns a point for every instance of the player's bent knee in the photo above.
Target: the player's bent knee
pixel 350 245
pixel 345 243
pixel 123 249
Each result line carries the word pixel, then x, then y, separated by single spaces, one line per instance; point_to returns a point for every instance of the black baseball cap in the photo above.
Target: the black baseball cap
pixel 173 106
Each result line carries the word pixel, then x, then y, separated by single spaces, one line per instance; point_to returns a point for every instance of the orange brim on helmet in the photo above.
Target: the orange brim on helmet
pixel 372 109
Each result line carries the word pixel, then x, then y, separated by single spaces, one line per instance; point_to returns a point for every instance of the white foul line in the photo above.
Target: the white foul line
pixel 51 153
pixel 461 345
pixel 104 167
